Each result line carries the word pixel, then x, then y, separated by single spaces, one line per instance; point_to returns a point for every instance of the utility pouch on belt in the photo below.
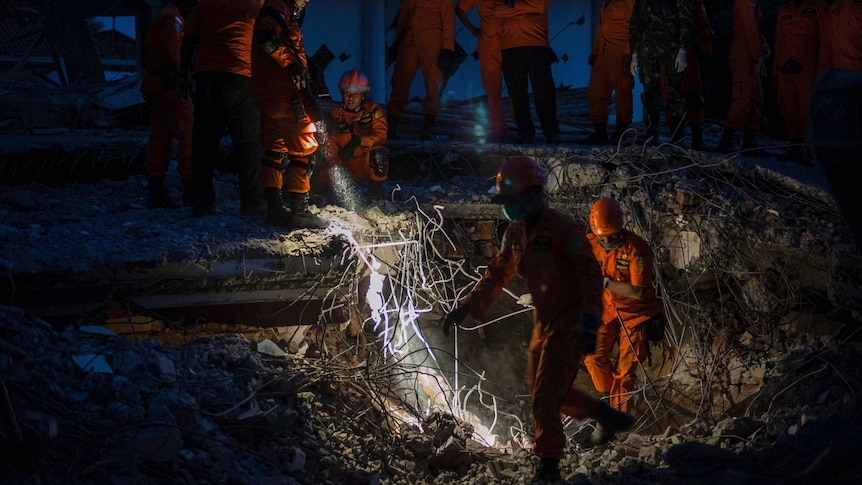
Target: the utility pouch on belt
pixel 379 160
pixel 655 327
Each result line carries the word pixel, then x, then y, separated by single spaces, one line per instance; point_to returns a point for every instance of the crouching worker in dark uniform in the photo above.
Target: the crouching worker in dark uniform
pixel 550 250
pixel 358 132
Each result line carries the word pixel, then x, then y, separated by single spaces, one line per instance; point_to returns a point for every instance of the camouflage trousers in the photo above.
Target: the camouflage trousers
pixel 652 68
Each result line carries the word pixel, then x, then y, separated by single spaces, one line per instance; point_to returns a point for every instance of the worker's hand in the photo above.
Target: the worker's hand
pixel 455 317
pixel 589 329
pixel 591 60
pixel 680 63
pixel 345 153
pixel 633 66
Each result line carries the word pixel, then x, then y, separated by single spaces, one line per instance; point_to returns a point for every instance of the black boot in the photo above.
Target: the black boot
pixel 599 136
pixel 276 213
pixel 609 422
pixel 158 197
pixel 427 126
pixel 749 145
pixel 725 145
pixel 300 217
pixel 697 137
pixel 548 471
pixel 392 124
pixel 619 131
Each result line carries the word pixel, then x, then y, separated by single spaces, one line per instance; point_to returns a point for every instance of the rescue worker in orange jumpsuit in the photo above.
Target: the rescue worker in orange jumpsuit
pixel 692 85
pixel 171 111
pixel 425 38
pixel 219 34
pixel 358 132
pixel 629 301
pixel 846 38
pixel 526 56
pixel 549 249
pixel 747 56
pixel 280 87
pixel 610 59
pixel 797 38
pixel 490 61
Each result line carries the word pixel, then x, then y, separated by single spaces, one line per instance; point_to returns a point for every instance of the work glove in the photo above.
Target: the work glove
pixel 680 63
pixel 633 66
pixel 445 59
pixel 455 317
pixel 591 60
pixel 345 153
pixel 589 329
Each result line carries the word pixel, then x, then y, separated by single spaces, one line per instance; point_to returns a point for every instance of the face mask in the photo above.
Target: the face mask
pixel 513 212
pixel 612 243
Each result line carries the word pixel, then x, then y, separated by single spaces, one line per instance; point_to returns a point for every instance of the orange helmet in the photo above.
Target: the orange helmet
pixel 606 217
pixel 515 175
pixel 354 81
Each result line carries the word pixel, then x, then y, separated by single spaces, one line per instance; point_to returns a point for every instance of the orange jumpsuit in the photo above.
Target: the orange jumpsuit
pixel 423 29
pixel 847 35
pixel 631 263
pixel 285 136
pixel 171 115
pixel 490 62
pixel 797 37
pixel 611 71
pixel 369 124
pixel 746 48
pixel 565 283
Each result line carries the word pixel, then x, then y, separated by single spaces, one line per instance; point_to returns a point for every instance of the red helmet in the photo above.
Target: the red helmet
pixel 354 81
pixel 606 217
pixel 515 175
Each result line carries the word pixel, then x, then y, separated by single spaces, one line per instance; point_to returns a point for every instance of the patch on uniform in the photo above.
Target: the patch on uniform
pixel 542 243
pixel 178 24
pixel 623 262
pixel 378 114
pixel 809 12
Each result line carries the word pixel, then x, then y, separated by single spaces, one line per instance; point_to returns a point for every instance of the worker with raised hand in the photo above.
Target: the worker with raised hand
pixel 550 251
pixel 490 61
pixel 287 114
pixel 660 32
pixel 629 304
pixel 171 109
pixel 218 45
pixel 424 38
pixel 610 59
pixel 358 133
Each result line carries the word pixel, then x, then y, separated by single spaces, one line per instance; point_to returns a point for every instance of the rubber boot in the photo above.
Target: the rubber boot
pixel 276 213
pixel 619 131
pixel 548 471
pixel 697 137
pixel 158 197
pixel 300 217
pixel 725 145
pixel 749 145
pixel 609 422
pixel 392 124
pixel 427 126
pixel 599 136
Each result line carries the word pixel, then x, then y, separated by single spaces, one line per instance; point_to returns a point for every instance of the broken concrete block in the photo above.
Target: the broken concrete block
pixel 268 347
pixel 684 247
pixel 93 363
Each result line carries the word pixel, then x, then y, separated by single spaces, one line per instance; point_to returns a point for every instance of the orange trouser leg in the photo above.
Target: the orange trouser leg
pixel 551 370
pixel 746 102
pixel 490 64
pixel 599 90
pixel 693 86
pixel 406 65
pixel 284 135
pixel 609 75
pixel 160 144
pixel 632 348
pixel 429 58
pixel 794 96
pixel 599 364
pixel 171 116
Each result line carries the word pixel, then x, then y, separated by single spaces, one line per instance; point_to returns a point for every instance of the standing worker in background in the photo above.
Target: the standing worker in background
pixel 846 23
pixel 747 56
pixel 171 110
pixel 629 303
pixel 527 56
pixel 424 37
pixel 797 39
pixel 358 133
pixel 219 32
pixel 660 32
pixel 610 60
pixel 490 61
pixel 288 111
pixel 549 250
